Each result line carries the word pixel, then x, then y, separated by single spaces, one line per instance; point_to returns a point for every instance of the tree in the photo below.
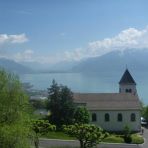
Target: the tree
pixel 60 103
pixel 81 115
pixel 14 106
pixel 145 112
pixel 40 127
pixel 88 135
pixel 127 134
pixel 38 104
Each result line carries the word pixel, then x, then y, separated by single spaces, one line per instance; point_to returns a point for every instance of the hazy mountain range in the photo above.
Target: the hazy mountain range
pixel 114 61
pixel 14 67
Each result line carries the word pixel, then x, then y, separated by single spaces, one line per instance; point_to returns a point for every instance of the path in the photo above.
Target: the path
pixel 145 145
pixel 47 143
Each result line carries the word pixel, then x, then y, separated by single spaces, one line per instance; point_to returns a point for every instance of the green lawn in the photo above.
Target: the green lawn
pixel 113 138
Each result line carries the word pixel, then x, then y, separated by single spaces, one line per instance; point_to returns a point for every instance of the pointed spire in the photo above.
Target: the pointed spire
pixel 127 78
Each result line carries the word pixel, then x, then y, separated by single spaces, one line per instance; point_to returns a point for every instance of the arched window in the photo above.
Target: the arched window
pixel 107 117
pixel 94 117
pixel 128 90
pixel 133 117
pixel 119 117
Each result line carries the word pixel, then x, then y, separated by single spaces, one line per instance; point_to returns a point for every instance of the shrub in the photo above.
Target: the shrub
pixel 127 134
pixel 88 134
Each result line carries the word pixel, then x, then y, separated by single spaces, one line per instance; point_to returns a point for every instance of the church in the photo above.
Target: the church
pixel 113 111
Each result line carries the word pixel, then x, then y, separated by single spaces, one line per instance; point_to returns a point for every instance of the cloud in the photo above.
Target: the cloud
pixel 130 38
pixel 126 39
pixel 16 38
pixel 26 55
pixel 30 56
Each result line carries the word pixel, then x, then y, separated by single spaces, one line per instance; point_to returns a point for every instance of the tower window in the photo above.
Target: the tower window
pixel 94 117
pixel 119 117
pixel 107 118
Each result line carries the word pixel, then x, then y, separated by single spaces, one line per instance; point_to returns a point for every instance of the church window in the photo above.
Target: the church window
pixel 128 90
pixel 133 117
pixel 119 117
pixel 94 117
pixel 107 118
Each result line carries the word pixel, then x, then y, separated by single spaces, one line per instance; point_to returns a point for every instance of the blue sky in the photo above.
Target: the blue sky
pixel 56 30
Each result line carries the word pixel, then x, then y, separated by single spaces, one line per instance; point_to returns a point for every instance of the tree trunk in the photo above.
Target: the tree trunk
pixel 36 142
pixel 81 144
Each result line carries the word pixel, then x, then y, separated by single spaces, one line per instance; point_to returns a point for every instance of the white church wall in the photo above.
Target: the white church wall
pixel 113 124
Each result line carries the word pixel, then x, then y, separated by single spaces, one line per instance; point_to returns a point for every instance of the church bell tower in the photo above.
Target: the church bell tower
pixel 127 84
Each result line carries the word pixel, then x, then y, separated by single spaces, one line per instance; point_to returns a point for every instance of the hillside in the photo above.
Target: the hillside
pixel 13 66
pixel 115 61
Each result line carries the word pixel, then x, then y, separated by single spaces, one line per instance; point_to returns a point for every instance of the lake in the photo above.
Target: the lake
pixel 92 82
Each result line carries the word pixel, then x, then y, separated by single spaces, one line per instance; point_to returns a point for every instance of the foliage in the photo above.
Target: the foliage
pixel 127 134
pixel 112 138
pixel 145 112
pixel 137 139
pixel 60 103
pixel 38 104
pixel 14 106
pixel 88 134
pixel 40 127
pixel 81 115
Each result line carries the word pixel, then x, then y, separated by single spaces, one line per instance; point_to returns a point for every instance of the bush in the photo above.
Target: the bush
pixel 137 139
pixel 127 134
pixel 88 135
pixel 81 115
pixel 114 139
pixel 128 139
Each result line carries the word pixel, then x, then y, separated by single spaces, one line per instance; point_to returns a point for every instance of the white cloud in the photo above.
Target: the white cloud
pixel 30 56
pixel 130 38
pixel 126 39
pixel 26 55
pixel 16 38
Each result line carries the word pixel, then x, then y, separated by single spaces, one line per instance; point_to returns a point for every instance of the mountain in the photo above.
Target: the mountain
pixel 62 66
pixel 115 61
pixel 135 59
pixel 13 66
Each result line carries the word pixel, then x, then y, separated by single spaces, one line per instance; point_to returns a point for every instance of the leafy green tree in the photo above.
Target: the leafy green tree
pixel 88 135
pixel 14 106
pixel 41 127
pixel 60 104
pixel 145 112
pixel 81 115
pixel 127 134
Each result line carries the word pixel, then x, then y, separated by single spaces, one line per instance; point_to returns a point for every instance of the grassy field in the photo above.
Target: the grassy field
pixel 113 138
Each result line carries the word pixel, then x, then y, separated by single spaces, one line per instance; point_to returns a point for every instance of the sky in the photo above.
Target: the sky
pixel 50 31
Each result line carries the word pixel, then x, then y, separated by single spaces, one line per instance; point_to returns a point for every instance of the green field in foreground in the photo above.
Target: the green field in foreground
pixel 113 138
